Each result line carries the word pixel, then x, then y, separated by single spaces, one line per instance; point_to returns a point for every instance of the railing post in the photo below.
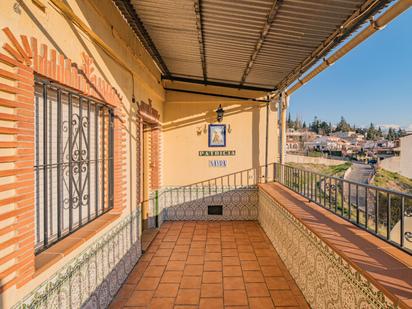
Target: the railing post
pixel 402 222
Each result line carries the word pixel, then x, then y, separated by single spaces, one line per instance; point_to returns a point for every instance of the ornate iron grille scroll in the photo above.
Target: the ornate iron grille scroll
pixel 73 161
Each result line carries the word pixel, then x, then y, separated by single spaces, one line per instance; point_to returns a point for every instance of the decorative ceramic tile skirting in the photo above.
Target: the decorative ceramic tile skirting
pixel 92 278
pixel 325 279
pixel 190 203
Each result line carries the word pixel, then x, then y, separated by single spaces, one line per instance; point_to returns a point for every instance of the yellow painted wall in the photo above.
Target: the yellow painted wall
pixel 53 29
pixel 185 114
pixel 180 113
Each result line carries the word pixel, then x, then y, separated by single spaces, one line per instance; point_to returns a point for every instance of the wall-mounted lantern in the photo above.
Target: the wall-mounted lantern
pixel 219 113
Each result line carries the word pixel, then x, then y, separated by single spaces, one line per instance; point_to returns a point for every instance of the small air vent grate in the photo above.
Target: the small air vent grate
pixel 216 210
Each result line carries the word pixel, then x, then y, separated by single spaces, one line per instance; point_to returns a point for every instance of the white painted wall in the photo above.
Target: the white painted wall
pixel 406 156
pixel 392 164
pixel 291 158
pixel 403 163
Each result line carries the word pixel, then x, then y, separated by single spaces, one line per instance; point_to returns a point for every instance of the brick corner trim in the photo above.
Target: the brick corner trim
pixel 20 59
pixel 49 63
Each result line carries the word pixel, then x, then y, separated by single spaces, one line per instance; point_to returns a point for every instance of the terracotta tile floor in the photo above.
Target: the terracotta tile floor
pixel 210 265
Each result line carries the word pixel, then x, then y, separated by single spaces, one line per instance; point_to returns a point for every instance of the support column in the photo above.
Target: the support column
pixel 267 141
pixel 283 102
pixel 284 108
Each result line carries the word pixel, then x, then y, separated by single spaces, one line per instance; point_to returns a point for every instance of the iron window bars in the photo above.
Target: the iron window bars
pixel 73 161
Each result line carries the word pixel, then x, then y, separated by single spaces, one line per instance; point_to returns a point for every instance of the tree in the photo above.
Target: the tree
pixel 391 134
pixel 314 126
pixel 325 128
pixel 360 131
pixel 298 124
pixel 343 125
pixel 304 125
pixel 400 133
pixel 379 133
pixel 371 133
pixel 290 122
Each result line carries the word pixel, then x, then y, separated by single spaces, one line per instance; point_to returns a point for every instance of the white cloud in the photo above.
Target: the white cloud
pixel 386 127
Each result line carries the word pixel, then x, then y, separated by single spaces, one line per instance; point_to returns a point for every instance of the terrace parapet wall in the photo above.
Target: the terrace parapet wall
pixel 312 243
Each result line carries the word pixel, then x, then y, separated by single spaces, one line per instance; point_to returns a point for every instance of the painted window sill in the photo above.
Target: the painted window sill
pixel 49 257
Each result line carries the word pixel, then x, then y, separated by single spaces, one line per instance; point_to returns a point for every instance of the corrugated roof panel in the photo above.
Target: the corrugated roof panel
pixel 172 27
pixel 298 29
pixel 232 29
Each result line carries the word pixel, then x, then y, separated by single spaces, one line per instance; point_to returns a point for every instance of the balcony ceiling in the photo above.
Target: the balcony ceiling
pixel 247 43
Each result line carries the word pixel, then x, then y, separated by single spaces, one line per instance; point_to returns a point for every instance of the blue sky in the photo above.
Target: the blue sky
pixel 373 83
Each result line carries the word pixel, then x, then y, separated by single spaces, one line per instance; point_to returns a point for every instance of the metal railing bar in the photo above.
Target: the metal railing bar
pixel 388 217
pixel 357 204
pixel 96 154
pixel 358 197
pixel 45 187
pixel 70 116
pixel 88 161
pixel 59 191
pixel 402 227
pixel 80 159
pixel 36 170
pixel 103 156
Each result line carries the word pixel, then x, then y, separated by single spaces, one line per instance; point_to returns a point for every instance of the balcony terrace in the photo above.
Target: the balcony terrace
pixel 135 141
pixel 210 265
pixel 290 252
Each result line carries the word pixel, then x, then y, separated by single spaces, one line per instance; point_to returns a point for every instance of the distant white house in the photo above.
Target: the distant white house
pixel 327 143
pixel 406 156
pixel 401 164
pixel 379 144
pixel 344 135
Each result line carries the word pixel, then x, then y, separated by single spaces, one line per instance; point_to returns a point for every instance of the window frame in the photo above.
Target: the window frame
pixel 103 123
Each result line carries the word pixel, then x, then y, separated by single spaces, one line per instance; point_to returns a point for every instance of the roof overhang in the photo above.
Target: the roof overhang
pixel 259 45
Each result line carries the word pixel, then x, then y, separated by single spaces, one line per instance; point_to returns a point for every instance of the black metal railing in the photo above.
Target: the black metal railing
pixel 382 212
pixel 73 161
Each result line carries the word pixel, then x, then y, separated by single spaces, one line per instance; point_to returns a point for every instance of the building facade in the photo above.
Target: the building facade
pixel 100 145
pixel 67 104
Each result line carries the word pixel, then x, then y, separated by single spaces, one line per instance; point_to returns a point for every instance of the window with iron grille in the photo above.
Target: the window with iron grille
pixel 73 161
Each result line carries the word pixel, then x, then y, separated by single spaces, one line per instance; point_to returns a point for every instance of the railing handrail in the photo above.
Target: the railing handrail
pixel 353 201
pixel 219 177
pixel 372 187
pixel 377 210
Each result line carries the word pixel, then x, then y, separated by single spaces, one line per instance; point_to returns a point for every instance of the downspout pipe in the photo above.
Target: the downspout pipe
pixel 375 25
